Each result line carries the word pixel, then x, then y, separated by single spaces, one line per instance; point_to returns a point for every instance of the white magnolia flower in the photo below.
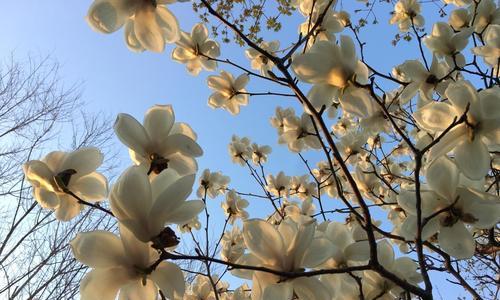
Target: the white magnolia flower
pixel 299 133
pixel 159 143
pixel 233 245
pixel 301 187
pixel 278 121
pixel 446 44
pixel 487 12
pixel 261 62
pixel 188 226
pixel 332 24
pixel 406 13
pixel 240 150
pixel 122 265
pixel 148 24
pixel 460 19
pixel 195 49
pixel 144 207
pixel 471 138
pixel 378 287
pixel 230 93
pixel 457 205
pixel 299 212
pixel 331 64
pixel 278 185
pixel 234 207
pixel 347 252
pixel 421 80
pixel 60 172
pixel 260 153
pixel 213 182
pixel 491 50
pixel 288 247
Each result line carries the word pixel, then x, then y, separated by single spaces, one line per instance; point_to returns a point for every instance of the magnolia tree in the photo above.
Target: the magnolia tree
pixel 407 183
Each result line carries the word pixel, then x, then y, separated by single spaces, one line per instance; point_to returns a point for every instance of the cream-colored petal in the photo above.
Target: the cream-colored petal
pixel 132 195
pixel 39 174
pixel 103 284
pixel 473 158
pixel 170 200
pixel 180 143
pixel 135 290
pixel 279 291
pixel 132 134
pixel 98 249
pixel 199 33
pixel 317 252
pixel 442 177
pixel 457 241
pixel 68 208
pixel 158 122
pixel 107 16
pixel 185 212
pixel 182 164
pixel 168 23
pixel 46 198
pixel 169 279
pixel 263 240
pixel 93 186
pixel 310 288
pixel 147 29
pixel 435 116
pixel 136 251
pixel 131 40
pixel 83 161
pixel 358 251
pixel 385 254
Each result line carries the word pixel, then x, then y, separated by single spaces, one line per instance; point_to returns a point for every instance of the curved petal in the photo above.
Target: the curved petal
pixel 186 212
pixel 170 200
pixel 131 40
pixel 473 158
pixel 46 198
pixel 83 161
pixel 132 195
pixel 263 240
pixel 158 122
pixel 457 241
pixel 358 251
pixel 68 208
pixel 98 249
pixel 199 33
pixel 435 116
pixel 93 186
pixel 135 290
pixel 310 289
pixel 317 252
pixel 39 174
pixel 108 16
pixel 184 165
pixel 169 279
pixel 180 143
pixel 278 291
pixel 169 24
pixel 442 177
pixel 132 134
pixel 147 29
pixel 103 284
pixel 136 251
pixel 385 254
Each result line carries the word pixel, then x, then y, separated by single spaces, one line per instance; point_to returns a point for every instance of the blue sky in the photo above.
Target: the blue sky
pixel 115 80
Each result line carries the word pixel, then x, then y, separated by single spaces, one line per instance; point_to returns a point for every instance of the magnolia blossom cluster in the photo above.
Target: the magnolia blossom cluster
pixel 423 150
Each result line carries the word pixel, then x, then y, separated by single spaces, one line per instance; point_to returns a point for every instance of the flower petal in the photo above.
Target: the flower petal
pixel 147 29
pixel 317 252
pixel 68 208
pixel 310 289
pixel 132 134
pixel 473 158
pixel 158 122
pixel 442 177
pixel 457 241
pixel 93 186
pixel 263 240
pixel 103 284
pixel 279 291
pixel 98 249
pixel 169 279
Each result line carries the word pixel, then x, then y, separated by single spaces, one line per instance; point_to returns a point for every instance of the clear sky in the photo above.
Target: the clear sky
pixel 116 80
